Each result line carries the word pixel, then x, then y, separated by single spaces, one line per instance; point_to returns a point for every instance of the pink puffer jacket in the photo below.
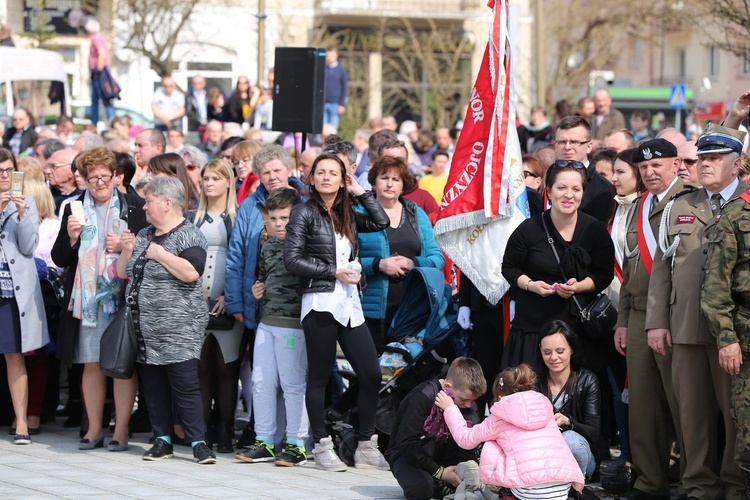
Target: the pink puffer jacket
pixel 523 446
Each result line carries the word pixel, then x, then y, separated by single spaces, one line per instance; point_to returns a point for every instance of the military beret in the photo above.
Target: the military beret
pixel 655 148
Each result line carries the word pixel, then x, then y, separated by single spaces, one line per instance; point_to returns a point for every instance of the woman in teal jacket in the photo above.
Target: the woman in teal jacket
pixel 389 254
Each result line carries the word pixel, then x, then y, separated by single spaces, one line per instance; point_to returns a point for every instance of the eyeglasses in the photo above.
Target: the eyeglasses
pixel 569 163
pixel 227 158
pixel 102 178
pixel 6 171
pixel 527 174
pixel 192 166
pixel 54 166
pixel 575 144
pixel 689 161
pixel 244 160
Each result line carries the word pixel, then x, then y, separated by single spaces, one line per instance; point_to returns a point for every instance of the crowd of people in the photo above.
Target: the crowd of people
pixel 244 265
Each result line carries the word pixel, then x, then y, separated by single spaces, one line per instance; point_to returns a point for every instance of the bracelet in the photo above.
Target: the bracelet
pixel 528 283
pixel 439 473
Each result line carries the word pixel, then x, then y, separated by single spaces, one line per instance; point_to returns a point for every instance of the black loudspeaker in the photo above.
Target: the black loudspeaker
pixel 298 89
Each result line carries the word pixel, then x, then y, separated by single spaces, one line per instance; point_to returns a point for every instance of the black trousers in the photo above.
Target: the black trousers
pixel 179 382
pixel 487 336
pixel 322 332
pixel 417 484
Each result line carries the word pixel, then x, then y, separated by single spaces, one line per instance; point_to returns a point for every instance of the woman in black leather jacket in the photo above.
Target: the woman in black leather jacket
pixel 321 247
pixel 573 391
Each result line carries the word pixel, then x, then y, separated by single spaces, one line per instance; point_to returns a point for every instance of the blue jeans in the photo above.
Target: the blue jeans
pixel 96 96
pixel 581 452
pixel 331 114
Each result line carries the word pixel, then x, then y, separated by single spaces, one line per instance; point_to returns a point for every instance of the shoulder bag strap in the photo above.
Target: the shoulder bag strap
pixel 557 258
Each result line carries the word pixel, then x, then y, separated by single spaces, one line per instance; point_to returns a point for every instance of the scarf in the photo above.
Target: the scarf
pixel 435 425
pixel 96 280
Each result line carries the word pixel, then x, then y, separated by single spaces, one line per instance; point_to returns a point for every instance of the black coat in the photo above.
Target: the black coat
pixel 28 138
pixel 583 407
pixel 599 196
pixel 310 245
pixel 131 209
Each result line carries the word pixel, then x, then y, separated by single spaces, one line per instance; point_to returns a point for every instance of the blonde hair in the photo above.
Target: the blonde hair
pixel 466 374
pixel 42 196
pixel 245 149
pixel 224 170
pixel 31 168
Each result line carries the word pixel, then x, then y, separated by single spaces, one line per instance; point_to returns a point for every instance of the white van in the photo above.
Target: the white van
pixel 31 78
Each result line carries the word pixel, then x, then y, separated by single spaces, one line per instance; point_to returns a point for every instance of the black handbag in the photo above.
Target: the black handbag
pixel 110 88
pixel 219 321
pixel 600 316
pixel 118 346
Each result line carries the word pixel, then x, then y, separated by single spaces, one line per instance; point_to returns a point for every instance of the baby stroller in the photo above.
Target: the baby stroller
pixel 426 314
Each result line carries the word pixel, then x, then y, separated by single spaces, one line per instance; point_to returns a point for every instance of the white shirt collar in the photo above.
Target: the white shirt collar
pixel 660 196
pixel 727 192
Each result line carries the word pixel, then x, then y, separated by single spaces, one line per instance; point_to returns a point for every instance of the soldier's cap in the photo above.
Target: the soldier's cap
pixel 655 148
pixel 716 139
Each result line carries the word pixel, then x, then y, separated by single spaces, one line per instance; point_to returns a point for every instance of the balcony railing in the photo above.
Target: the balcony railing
pixel 421 8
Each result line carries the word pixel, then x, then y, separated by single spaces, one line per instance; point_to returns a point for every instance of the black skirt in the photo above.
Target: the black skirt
pixel 10 334
pixel 522 347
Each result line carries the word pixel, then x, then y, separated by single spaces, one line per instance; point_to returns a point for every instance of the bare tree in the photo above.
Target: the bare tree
pixel 728 26
pixel 427 72
pixel 152 28
pixel 587 35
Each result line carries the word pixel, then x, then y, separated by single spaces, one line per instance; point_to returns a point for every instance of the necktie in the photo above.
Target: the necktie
pixel 654 201
pixel 716 203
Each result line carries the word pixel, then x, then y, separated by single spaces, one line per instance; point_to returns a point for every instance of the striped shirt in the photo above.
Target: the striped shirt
pixel 545 491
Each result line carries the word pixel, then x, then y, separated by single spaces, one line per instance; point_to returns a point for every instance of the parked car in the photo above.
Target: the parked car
pixel 80 114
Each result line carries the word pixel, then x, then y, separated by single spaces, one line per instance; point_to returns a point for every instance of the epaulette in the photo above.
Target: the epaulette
pixel 688 189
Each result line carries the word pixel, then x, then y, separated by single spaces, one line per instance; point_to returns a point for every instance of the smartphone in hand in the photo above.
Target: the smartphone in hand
pixel 16 187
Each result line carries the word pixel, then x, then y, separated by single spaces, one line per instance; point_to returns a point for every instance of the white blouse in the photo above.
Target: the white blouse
pixel 343 303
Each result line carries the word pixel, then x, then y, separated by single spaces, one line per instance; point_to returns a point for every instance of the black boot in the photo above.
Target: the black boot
pixel 225 431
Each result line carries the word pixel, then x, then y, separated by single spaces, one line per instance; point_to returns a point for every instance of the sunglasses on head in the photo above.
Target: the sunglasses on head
pixel 569 164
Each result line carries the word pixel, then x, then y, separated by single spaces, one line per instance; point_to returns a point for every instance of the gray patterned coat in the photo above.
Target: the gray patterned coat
pixel 173 314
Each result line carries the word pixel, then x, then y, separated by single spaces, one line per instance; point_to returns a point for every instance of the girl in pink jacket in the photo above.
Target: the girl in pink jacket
pixel 523 448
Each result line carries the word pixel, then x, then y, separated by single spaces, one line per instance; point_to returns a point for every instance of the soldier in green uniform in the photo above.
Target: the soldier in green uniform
pixel 674 318
pixel 725 300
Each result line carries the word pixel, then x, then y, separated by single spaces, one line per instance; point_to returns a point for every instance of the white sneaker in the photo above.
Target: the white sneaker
pixel 368 456
pixel 326 458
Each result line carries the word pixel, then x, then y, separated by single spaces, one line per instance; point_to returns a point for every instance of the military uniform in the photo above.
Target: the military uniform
pixel 726 303
pixel 651 395
pixel 702 387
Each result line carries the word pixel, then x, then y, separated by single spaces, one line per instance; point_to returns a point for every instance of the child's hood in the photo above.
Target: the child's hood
pixel 528 410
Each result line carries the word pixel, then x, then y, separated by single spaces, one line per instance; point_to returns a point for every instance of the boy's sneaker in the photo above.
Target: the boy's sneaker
pixel 203 454
pixel 293 455
pixel 258 452
pixel 368 456
pixel 160 450
pixel 326 458
pixel 247 439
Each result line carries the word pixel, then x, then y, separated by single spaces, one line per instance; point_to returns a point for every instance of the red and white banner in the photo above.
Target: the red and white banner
pixel 485 197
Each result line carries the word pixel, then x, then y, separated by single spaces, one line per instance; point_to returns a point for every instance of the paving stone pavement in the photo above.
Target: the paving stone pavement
pixel 53 467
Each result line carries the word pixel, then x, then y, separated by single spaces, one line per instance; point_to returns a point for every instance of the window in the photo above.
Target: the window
pixel 681 63
pixel 713 62
pixel 746 64
pixel 636 53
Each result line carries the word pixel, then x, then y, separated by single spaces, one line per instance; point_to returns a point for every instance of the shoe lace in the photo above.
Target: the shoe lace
pixel 295 451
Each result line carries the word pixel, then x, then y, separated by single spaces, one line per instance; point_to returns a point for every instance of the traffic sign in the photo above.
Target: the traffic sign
pixel 678 97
